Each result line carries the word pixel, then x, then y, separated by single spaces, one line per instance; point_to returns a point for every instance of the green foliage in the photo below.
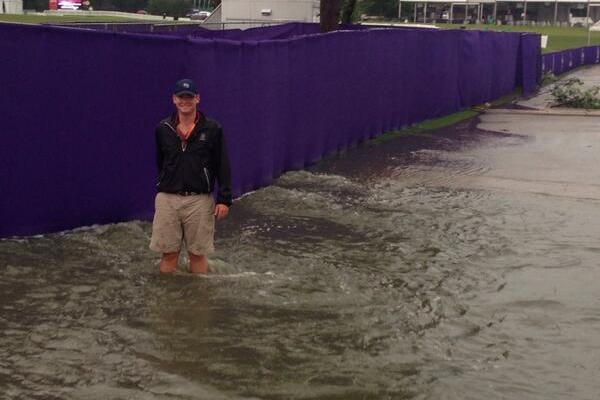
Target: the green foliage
pixel 38 5
pixel 349 11
pixel 559 38
pixel 548 78
pixel 569 94
pixel 127 5
pixel 426 126
pixel 174 8
pixel 386 8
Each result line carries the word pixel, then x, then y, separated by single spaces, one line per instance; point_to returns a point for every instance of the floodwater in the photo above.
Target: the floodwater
pixel 458 264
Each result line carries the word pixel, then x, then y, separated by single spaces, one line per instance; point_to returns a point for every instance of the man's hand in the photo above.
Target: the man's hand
pixel 221 211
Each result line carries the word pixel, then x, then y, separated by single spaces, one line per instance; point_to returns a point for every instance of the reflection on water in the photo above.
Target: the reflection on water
pixel 395 271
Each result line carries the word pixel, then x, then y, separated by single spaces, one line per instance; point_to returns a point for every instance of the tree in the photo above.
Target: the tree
pixel 129 5
pixel 348 11
pixel 330 15
pixel 38 5
pixel 386 8
pixel 174 8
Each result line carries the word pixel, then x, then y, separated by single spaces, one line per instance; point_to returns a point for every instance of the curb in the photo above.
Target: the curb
pixel 547 111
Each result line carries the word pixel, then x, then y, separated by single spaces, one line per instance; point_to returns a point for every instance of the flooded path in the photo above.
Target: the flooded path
pixel 458 264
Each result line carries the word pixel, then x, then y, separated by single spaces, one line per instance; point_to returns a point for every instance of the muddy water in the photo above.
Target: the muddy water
pixel 460 264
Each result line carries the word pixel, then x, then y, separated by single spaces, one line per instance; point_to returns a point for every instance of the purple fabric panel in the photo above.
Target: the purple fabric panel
pixel 316 105
pixel 577 57
pixel 571 59
pixel 489 64
pixel 280 31
pixel 411 93
pixel 529 66
pixel 244 86
pixel 231 34
pixel 559 65
pixel 174 29
pixel 85 155
pixel 592 55
pixel 283 31
pixel 562 61
pixel 505 64
pixel 547 61
pixel 473 77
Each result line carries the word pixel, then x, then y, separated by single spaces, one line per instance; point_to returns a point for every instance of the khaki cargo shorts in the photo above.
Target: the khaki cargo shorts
pixel 190 219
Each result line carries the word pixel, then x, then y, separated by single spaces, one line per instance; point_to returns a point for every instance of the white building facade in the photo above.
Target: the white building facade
pixel 269 11
pixel 517 12
pixel 12 6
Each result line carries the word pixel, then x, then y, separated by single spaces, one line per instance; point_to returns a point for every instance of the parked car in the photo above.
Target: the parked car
pixel 69 5
pixel 199 15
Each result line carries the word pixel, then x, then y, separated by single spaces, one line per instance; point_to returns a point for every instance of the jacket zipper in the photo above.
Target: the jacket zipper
pixel 207 179
pixel 183 144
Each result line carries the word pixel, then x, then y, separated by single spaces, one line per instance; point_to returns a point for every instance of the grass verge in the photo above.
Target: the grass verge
pixel 45 19
pixel 441 122
pixel 559 38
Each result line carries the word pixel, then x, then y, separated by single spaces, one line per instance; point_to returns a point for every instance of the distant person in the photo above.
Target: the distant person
pixel 508 18
pixel 191 157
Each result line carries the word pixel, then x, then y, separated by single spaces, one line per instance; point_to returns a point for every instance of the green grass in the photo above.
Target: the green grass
pixel 425 126
pixel 44 19
pixel 559 38
pixel 441 122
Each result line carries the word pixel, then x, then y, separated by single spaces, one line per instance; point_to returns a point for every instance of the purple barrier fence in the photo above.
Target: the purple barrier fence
pixel 80 106
pixel 282 31
pixel 277 31
pixel 133 27
pixel 272 32
pixel 559 62
pixel 529 70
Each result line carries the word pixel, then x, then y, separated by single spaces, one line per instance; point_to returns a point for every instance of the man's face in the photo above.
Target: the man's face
pixel 186 104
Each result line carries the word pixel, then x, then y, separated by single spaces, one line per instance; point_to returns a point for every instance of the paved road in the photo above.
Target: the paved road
pixel 590 76
pixel 558 149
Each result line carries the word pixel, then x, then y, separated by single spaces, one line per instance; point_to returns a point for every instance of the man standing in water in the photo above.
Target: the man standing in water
pixel 191 156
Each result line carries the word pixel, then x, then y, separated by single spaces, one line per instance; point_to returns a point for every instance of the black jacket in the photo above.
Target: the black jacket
pixel 196 167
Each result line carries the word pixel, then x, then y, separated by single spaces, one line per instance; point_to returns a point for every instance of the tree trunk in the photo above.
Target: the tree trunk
pixel 330 15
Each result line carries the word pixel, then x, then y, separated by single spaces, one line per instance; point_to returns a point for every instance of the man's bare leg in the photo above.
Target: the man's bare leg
pixel 198 264
pixel 168 262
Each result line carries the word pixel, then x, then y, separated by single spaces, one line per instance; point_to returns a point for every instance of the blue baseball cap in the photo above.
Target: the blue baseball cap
pixel 185 86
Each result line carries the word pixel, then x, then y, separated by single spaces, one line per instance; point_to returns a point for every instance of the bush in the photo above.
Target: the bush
pixel 548 78
pixel 174 8
pixel 569 94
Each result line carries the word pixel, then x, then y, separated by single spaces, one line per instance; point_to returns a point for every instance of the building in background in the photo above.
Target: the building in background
pixel 268 11
pixel 12 6
pixel 502 12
